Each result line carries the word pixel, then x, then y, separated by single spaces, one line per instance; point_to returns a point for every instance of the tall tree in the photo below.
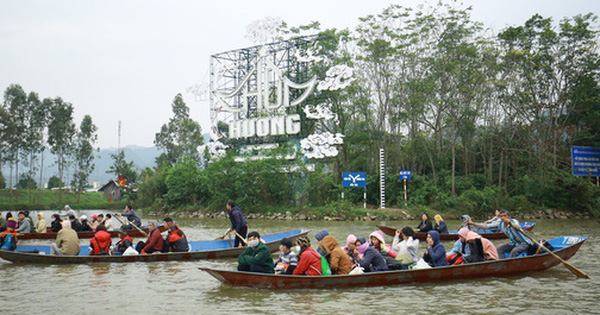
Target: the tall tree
pixel 61 131
pixel 120 166
pixel 84 154
pixel 181 136
pixel 14 113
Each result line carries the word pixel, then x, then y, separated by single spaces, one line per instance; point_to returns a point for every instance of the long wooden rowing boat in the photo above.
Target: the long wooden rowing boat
pixel 199 250
pixel 565 247
pixel 87 234
pixel 452 236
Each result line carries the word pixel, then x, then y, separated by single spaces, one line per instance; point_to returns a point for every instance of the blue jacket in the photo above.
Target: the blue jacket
pixel 237 219
pixel 442 228
pixel 436 255
pixel 373 261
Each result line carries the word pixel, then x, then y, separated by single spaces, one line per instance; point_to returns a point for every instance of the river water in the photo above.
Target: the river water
pixel 180 288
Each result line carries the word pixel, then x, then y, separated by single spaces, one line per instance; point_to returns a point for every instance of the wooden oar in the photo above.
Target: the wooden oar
pixel 238 235
pixel 572 268
pixel 127 221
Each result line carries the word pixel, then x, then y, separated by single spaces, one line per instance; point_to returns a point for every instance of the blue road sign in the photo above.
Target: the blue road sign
pixel 585 161
pixel 405 174
pixel 354 179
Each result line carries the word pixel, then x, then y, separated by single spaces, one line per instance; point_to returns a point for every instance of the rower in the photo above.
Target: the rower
pixel 238 222
pixel 130 215
pixel 154 243
pixel 175 240
pixel 518 243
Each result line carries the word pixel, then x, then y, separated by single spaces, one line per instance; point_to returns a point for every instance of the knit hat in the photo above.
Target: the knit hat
pixel 351 239
pixel 378 235
pixel 83 217
pixel 303 242
pixel 11 224
pixel 322 233
pixel 67 207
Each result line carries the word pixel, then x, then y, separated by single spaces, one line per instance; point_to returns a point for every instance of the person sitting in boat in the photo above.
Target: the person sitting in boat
pixel 100 243
pixel 107 221
pixel 435 255
pixel 93 224
pixel 371 257
pixel 56 223
pixel 75 225
pixel 309 263
pixel 350 249
pixel 459 249
pixel 493 224
pixel 24 225
pixel 407 248
pixel 130 215
pixel 425 225
pixel 70 212
pixel 517 242
pixel 84 223
pixel 480 248
pixel 9 238
pixel 288 260
pixel 440 224
pixel 154 243
pixel 239 224
pixel 175 241
pixel 125 241
pixel 30 219
pixel 256 257
pixel 378 241
pixel 41 224
pixel 67 241
pixel 339 262
pixel 319 237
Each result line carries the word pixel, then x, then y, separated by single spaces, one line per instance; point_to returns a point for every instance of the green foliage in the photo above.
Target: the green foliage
pixel 26 182
pixel 54 182
pixel 2 181
pixel 121 166
pixel 181 182
pixel 84 153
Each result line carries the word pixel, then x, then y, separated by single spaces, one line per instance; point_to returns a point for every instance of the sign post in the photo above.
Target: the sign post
pixel 404 175
pixel 355 180
pixel 585 161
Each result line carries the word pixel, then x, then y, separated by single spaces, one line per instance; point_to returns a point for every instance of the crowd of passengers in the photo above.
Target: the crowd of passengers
pixel 371 254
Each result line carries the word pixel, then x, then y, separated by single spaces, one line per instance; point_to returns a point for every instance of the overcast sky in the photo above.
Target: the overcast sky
pixel 126 60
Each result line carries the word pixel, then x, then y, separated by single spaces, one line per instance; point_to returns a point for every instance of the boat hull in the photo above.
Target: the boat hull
pixel 451 236
pixel 216 253
pixel 498 268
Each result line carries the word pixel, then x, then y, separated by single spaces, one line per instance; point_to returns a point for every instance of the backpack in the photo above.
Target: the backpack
pixel 325 268
pixel 103 251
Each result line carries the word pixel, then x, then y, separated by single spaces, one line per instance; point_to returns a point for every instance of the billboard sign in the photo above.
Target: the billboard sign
pixel 354 179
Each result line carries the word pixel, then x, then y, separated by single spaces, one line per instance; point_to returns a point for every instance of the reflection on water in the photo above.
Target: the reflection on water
pixel 181 287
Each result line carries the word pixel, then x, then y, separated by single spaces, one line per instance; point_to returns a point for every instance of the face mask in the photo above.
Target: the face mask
pixel 253 243
pixel 296 249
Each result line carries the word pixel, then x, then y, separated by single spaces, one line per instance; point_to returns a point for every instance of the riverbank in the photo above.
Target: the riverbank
pixel 16 199
pixel 356 214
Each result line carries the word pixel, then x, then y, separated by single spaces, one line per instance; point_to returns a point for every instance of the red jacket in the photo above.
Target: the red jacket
pixel 309 264
pixel 101 242
pixel 154 241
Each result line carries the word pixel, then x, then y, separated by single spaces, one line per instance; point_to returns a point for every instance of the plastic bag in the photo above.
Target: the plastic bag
pixel 421 264
pixel 130 251
pixel 358 270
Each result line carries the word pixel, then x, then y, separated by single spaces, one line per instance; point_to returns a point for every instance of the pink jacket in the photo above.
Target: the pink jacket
pixel 488 248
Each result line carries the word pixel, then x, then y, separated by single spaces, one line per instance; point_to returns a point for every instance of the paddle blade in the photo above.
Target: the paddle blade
pixel 576 271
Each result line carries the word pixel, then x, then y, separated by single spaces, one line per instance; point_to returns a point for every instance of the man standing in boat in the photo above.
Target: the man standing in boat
pixel 518 243
pixel 130 215
pixel 238 222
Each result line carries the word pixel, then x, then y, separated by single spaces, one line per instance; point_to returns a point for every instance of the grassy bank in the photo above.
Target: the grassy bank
pixel 48 200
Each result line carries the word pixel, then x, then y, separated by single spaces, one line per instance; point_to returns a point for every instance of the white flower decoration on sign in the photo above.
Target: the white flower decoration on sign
pixel 320 111
pixel 264 31
pixel 308 56
pixel 319 146
pixel 338 77
pixel 216 149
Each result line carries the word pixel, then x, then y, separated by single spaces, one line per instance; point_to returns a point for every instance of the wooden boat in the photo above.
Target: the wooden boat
pixel 199 250
pixel 565 247
pixel 86 234
pixel 452 236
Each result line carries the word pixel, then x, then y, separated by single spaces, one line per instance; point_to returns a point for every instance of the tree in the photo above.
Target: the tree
pixel 61 131
pixel 26 182
pixel 84 154
pixel 13 116
pixel 54 182
pixel 180 137
pixel 2 181
pixel 122 167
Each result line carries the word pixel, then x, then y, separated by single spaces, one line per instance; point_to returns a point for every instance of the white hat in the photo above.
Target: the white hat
pixel 67 207
pixel 83 217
